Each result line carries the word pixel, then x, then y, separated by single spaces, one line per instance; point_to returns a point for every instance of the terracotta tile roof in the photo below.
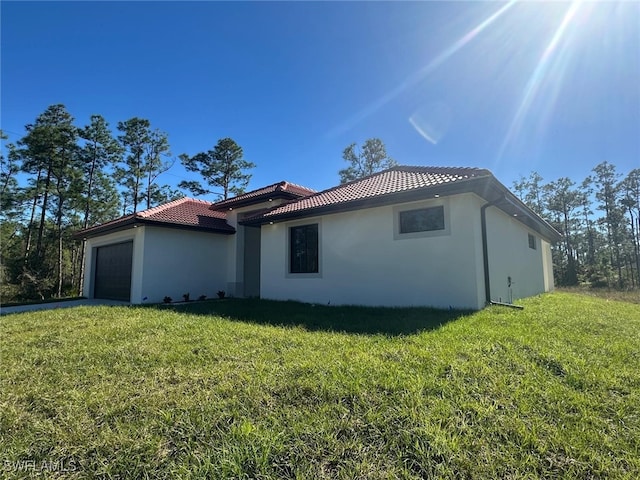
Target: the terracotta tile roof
pixel 282 189
pixel 392 181
pixel 185 212
pixel 188 211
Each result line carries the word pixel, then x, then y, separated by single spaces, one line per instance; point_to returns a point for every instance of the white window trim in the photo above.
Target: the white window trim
pixel 417 206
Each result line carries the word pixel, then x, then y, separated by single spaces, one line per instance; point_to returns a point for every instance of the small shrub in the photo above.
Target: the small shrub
pixel 167 299
pixel 221 293
pixel 185 296
pixel 202 297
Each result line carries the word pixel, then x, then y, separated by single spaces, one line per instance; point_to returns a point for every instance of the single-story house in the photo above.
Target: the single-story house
pixel 423 236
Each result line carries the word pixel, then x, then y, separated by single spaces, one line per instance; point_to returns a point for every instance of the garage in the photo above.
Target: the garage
pixel 113 271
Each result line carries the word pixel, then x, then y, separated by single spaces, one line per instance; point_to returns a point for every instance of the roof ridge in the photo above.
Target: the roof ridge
pixel 297 185
pixel 439 168
pixel 351 182
pixel 281 186
pixel 226 200
pixel 174 203
pixel 159 208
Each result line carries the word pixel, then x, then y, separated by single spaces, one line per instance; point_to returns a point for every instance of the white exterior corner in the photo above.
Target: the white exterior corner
pixel 516 270
pixel 166 262
pixel 136 235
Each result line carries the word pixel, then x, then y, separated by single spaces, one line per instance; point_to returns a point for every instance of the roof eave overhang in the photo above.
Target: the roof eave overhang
pixel 513 206
pixel 486 187
pixel 264 197
pixel 131 223
pixel 445 189
pixel 116 226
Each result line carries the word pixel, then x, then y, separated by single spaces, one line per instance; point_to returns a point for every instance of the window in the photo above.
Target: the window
pixel 532 242
pixel 303 249
pixel 422 220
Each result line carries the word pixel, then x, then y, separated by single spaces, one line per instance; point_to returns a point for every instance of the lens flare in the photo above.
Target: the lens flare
pixel 422 73
pixel 432 121
pixel 551 64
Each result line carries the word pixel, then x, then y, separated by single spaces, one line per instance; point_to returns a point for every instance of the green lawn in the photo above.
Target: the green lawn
pixel 252 389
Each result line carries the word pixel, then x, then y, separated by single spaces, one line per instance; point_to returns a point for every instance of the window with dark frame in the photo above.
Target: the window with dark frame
pixel 532 242
pixel 422 220
pixel 303 249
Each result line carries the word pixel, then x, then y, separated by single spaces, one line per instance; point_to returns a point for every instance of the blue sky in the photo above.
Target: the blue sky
pixel 513 87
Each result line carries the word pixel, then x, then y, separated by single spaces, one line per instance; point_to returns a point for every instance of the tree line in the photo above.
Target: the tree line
pixel 599 219
pixel 60 178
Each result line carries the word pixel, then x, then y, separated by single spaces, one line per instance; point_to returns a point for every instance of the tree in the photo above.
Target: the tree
pixel 9 188
pixel 8 170
pixel 49 154
pixel 222 167
pixel 370 159
pixel 562 200
pixel 10 212
pixel 530 190
pixel 630 187
pixel 135 135
pixel 165 194
pixel 154 165
pixel 67 189
pixel 99 152
pixel 143 161
pixel 586 191
pixel 608 193
pixel 47 148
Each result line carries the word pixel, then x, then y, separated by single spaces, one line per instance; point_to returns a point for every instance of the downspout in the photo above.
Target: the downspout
pixel 485 250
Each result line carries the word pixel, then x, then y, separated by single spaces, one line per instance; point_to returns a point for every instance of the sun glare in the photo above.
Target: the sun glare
pixel 420 75
pixel 526 59
pixel 552 64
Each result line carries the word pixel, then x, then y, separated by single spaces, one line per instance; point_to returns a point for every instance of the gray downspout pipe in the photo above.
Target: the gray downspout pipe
pixel 485 250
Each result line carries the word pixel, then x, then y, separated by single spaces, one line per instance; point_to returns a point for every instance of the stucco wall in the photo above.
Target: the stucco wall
pixel 133 234
pixel 363 262
pixel 236 268
pixel 182 261
pixel 547 265
pixel 510 256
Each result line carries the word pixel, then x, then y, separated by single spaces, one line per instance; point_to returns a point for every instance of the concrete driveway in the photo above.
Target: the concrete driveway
pixel 53 305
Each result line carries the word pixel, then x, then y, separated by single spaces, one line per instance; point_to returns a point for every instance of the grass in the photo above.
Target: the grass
pixel 252 389
pixel 632 295
pixel 365 320
pixel 39 302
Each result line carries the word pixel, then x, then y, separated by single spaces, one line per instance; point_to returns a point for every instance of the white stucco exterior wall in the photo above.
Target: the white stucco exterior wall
pixel 363 262
pixel 547 266
pixel 167 261
pixel 182 261
pixel 236 246
pixel 133 234
pixel 510 256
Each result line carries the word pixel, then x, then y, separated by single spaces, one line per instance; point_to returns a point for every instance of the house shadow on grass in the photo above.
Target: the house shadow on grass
pixel 347 319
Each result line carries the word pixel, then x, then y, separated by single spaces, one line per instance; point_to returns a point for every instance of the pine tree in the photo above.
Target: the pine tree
pixel 223 167
pixel 370 159
pixel 608 194
pixel 143 163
